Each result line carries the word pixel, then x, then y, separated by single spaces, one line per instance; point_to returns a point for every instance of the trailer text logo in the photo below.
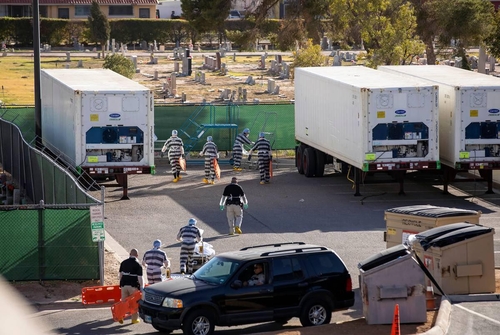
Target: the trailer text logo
pixel 494 111
pixel 400 113
pixel 114 116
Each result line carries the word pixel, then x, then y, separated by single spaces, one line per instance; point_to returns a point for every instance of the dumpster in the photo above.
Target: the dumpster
pixel 392 277
pixel 404 221
pixel 460 260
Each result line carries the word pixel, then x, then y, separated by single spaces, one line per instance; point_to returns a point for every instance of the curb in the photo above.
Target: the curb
pixel 442 320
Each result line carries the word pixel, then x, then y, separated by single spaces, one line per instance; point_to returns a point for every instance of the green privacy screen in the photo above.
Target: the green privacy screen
pixel 47 244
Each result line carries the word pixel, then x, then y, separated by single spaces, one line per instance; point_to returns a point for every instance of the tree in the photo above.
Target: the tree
pixel 493 40
pixel 206 15
pixel 308 56
pixel 119 64
pixel 98 25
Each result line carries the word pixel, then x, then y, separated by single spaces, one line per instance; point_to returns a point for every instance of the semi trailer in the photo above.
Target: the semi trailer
pixel 361 120
pixel 469 118
pixel 99 122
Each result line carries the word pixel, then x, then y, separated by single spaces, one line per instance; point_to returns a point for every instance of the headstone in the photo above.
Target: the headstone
pixel 262 62
pixel 66 66
pixel 113 45
pixel 218 65
pixel 162 47
pixel 183 97
pixel 492 64
pixel 144 45
pixel 271 84
pixel 223 69
pixel 473 63
pixel 155 77
pixel 336 60
pixel 234 57
pixel 176 67
pixel 244 94
pixel 250 81
pixel 80 63
pixel 458 62
pixel 68 57
pixel 134 61
pixel 278 59
pixel 481 63
pixel 202 78
pixel 155 46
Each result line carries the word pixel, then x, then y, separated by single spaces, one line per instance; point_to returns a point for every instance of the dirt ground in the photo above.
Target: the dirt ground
pixel 67 291
pixel 239 69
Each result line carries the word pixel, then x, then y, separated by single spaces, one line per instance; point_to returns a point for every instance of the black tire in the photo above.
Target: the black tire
pixel 199 322
pixel 309 162
pixel 162 330
pixel 320 163
pixel 299 152
pixel 316 312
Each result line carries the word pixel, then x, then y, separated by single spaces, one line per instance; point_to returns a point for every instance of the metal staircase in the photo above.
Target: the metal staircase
pixel 205 118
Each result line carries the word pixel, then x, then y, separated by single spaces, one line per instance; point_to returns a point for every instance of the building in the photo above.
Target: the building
pixel 80 9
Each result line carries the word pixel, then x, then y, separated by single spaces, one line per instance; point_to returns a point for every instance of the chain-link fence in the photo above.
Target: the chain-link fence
pixel 48 243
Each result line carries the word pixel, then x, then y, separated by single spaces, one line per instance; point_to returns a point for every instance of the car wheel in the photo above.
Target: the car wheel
pixel 162 330
pixel 199 322
pixel 316 313
pixel 299 151
pixel 309 162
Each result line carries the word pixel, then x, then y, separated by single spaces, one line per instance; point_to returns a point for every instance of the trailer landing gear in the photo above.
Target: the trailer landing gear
pixel 122 180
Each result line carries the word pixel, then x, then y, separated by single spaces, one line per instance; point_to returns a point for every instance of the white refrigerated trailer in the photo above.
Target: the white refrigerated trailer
pixel 356 117
pixel 469 118
pixel 99 122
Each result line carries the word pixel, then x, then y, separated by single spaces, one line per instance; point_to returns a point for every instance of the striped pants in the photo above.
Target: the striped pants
pixel 209 168
pixel 154 274
pixel 237 155
pixel 174 163
pixel 264 167
pixel 187 251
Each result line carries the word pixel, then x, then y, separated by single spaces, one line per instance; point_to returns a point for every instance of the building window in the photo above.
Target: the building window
pixel 121 11
pixel 63 13
pixel 82 10
pixel 144 13
pixel 43 11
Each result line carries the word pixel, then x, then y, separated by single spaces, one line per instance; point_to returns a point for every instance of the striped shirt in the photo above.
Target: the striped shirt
pixel 155 258
pixel 209 150
pixel 189 234
pixel 241 139
pixel 262 146
pixel 174 145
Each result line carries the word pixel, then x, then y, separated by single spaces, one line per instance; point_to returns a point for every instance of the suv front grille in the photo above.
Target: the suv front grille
pixel 153 298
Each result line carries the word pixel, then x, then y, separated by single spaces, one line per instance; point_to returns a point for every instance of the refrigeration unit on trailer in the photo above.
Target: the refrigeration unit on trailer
pixel 356 117
pixel 102 122
pixel 469 118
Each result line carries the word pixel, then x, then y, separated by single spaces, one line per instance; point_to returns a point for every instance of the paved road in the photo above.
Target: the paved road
pixel 293 208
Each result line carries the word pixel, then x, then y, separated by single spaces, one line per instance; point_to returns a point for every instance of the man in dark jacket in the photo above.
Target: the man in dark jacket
pixel 235 200
pixel 131 279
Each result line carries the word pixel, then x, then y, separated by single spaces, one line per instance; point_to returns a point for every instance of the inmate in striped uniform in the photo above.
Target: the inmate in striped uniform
pixel 155 259
pixel 188 235
pixel 263 148
pixel 210 152
pixel 174 146
pixel 238 148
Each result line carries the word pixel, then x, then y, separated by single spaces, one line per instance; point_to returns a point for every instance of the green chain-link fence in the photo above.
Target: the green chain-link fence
pixel 47 243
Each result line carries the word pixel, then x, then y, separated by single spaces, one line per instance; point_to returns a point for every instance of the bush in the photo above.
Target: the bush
pixel 119 64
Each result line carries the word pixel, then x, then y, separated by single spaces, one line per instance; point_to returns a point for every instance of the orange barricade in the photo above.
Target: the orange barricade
pixel 122 309
pixel 101 294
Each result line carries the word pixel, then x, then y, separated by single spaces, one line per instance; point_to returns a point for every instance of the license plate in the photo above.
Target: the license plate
pixel 147 319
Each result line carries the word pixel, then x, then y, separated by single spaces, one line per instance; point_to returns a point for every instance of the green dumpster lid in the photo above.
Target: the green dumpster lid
pixel 459 235
pixel 383 257
pixel 431 211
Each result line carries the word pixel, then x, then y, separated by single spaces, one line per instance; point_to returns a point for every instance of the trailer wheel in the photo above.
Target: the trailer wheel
pixel 299 152
pixel 309 162
pixel 320 163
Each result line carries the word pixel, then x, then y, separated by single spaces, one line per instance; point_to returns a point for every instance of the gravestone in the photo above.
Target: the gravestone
pixel 324 43
pixel 80 63
pixel 336 61
pixel 68 57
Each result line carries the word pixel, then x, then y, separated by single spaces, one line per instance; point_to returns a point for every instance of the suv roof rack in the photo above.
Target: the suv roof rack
pixel 276 245
pixel 292 251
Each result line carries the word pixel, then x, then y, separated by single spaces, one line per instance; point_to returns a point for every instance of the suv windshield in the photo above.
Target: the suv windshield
pixel 218 270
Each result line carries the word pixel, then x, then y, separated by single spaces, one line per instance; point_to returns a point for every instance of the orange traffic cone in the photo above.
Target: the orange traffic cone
pixel 430 301
pixel 395 323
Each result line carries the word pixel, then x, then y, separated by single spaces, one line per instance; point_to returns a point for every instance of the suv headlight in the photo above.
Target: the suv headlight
pixel 172 303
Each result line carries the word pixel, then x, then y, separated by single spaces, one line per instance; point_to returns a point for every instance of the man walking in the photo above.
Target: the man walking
pixel 188 235
pixel 210 152
pixel 131 279
pixel 234 199
pixel 264 154
pixel 175 148
pixel 153 260
pixel 238 148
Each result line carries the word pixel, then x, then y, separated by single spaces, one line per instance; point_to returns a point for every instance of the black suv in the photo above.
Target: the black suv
pixel 299 280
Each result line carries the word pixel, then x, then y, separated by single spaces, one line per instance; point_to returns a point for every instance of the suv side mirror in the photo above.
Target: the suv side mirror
pixel 237 284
